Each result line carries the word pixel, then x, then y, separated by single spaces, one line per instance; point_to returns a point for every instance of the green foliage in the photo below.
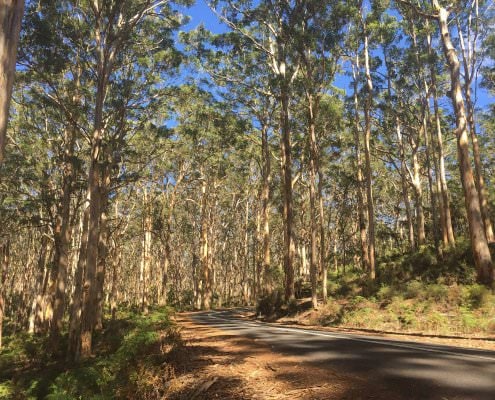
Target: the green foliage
pixel 271 304
pixel 476 296
pixel 6 390
pixel 456 265
pixel 418 292
pixel 131 352
pixel 330 313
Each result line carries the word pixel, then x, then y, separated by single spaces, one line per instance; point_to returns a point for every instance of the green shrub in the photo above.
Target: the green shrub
pixel 6 390
pixel 437 321
pixel 468 320
pixel 436 292
pixel 292 307
pixel 333 287
pixel 330 313
pixel 475 296
pixel 456 265
pixel 386 293
pixel 270 304
pixel 414 289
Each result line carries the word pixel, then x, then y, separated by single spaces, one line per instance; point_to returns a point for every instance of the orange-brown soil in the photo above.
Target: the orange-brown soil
pixel 221 365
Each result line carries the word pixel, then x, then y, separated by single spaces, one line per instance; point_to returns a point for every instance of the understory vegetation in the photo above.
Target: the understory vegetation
pixel 420 292
pixel 136 358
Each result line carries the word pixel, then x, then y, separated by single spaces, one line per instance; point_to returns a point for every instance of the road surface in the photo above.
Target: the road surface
pixel 417 370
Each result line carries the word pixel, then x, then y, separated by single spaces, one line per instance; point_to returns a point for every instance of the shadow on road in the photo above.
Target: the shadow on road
pixel 416 371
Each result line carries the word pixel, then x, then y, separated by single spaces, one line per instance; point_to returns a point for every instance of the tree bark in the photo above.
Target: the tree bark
pixel 479 242
pixel 323 254
pixel 145 265
pixel 363 231
pixel 469 61
pixel 76 308
pixel 405 194
pixel 265 213
pixel 63 236
pixel 204 259
pixel 313 211
pixel 101 267
pixel 288 211
pixel 448 233
pixel 4 265
pixel 367 153
pixel 35 317
pixel 11 12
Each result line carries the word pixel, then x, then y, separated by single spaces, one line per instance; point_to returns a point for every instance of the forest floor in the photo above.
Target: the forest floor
pixel 223 365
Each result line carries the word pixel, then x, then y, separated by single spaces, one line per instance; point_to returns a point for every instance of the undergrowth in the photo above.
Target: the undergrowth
pixel 418 292
pixel 135 358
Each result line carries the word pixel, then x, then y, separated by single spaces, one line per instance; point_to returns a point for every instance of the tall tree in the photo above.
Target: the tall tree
pixel 11 12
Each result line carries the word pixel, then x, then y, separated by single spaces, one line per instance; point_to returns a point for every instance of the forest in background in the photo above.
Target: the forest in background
pixel 324 149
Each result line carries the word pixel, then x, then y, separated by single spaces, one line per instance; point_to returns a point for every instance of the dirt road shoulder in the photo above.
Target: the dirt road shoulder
pixel 225 366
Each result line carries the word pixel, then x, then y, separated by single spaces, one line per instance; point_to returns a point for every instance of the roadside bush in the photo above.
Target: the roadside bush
pixel 292 307
pixel 491 326
pixel 330 313
pixel 386 293
pixel 414 289
pixel 436 292
pixel 271 304
pixel 476 296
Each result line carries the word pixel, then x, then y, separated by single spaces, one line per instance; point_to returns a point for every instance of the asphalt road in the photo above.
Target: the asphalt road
pixel 417 370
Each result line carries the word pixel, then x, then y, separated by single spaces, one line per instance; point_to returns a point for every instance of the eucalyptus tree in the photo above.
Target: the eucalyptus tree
pixel 441 14
pixel 244 84
pixel 267 27
pixel 318 30
pixel 472 22
pixel 11 12
pixel 366 23
pixel 124 50
pixel 209 135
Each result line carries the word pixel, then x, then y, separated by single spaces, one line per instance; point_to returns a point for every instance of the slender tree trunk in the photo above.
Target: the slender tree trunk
pixel 90 292
pixel 479 242
pixel 433 196
pixel 204 259
pixel 313 211
pixel 418 192
pixel 367 154
pixel 63 237
pixel 101 268
pixel 167 251
pixel 246 249
pixel 76 308
pixel 144 272
pixel 363 234
pixel 448 235
pixel 323 257
pixel 35 317
pixel 265 213
pixel 4 265
pixel 288 211
pixel 116 260
pixel 405 194
pixel 469 62
pixel 424 135
pixel 11 12
pixel 478 167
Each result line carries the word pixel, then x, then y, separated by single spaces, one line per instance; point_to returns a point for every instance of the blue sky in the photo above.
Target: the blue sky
pixel 200 13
